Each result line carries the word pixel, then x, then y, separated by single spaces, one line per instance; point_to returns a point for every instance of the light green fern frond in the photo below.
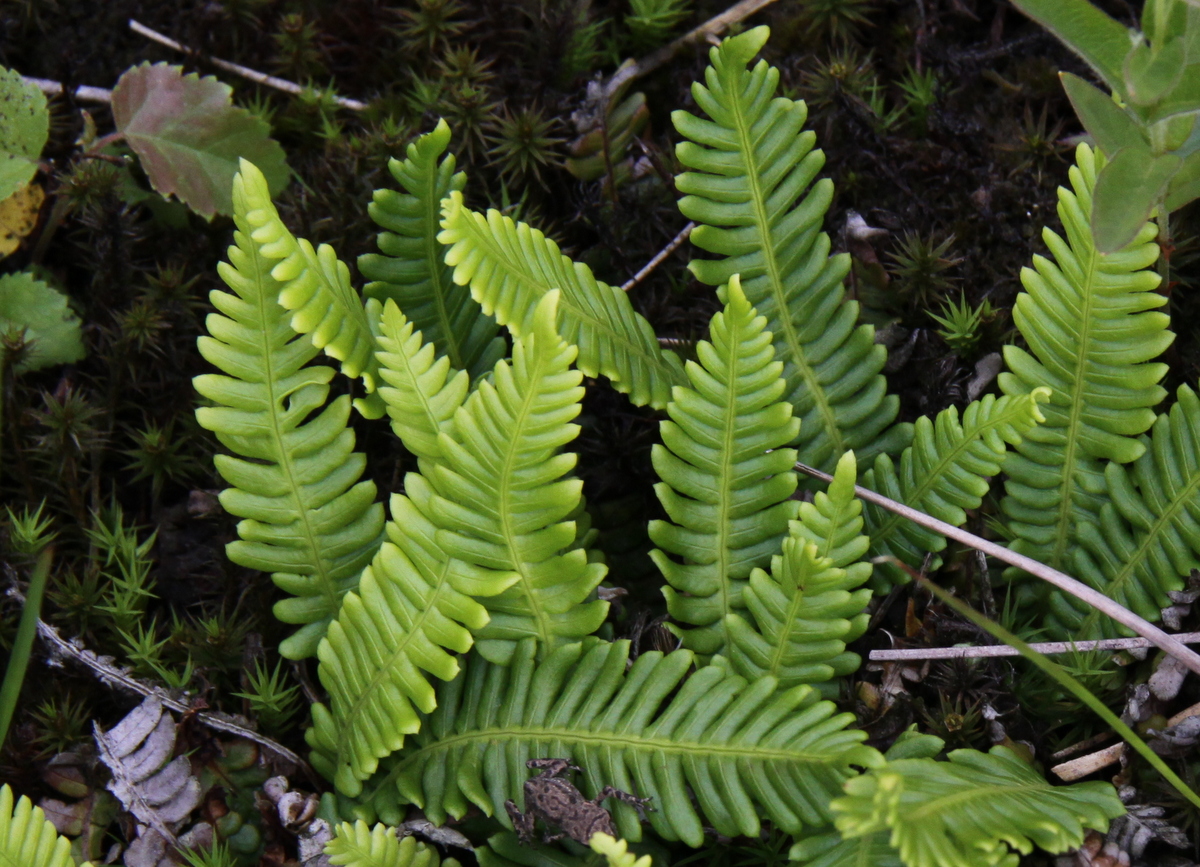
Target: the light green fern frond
pixel 1091 326
pixel 315 287
pixel 709 748
pixel 805 612
pixel 410 268
pixel 833 521
pixel 295 480
pixel 971 809
pixel 510 266
pixel 358 845
pixel 727 480
pixel 1146 540
pixel 27 838
pixel 945 471
pixel 749 189
pixel 421 395
pixel 616 852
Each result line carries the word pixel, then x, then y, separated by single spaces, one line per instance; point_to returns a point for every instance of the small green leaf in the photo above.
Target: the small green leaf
pixel 1100 40
pixel 1153 72
pixel 189 136
pixel 1127 190
pixel 1185 185
pixel 24 127
pixel 51 328
pixel 1104 120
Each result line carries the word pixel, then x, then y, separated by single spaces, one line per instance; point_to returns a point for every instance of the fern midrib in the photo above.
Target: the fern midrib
pixel 725 477
pixel 793 610
pixel 327 588
pixel 931 809
pixel 425 399
pixel 385 665
pixel 775 280
pixel 1062 530
pixel 433 256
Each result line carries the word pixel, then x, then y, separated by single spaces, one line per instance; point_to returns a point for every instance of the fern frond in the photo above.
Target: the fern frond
pixel 719 751
pixel 502 496
pixel 1147 537
pixel 616 852
pixel 969 810
pixel 410 268
pixel 295 481
pixel 505 849
pixel 805 612
pixel 726 477
pixel 749 189
pixel 421 395
pixel 358 845
pixel 27 837
pixel 315 287
pixel 1091 327
pixel 510 266
pixel 945 471
pixel 833 850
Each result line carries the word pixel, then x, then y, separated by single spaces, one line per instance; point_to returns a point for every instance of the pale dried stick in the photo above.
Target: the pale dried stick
pixel 662 254
pixel 991 650
pixel 245 72
pixel 84 93
pixel 1061 580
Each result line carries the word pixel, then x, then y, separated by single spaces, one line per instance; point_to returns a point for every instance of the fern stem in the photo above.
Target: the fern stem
pixel 22 647
pixel 1061 580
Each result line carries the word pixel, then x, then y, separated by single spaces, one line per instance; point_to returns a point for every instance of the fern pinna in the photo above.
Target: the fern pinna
pixel 307 517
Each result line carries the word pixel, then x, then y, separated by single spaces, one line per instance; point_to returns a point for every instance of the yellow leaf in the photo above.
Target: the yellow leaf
pixel 18 216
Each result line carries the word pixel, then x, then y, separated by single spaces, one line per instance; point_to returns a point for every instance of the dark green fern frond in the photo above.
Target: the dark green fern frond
pixel 510 266
pixel 709 748
pixel 805 612
pixel 945 471
pixel 27 838
pixel 295 480
pixel 749 189
pixel 1147 538
pixel 503 497
pixel 315 287
pixel 727 479
pixel 421 395
pixel 972 809
pixel 410 268
pixel 1091 326
pixel 832 850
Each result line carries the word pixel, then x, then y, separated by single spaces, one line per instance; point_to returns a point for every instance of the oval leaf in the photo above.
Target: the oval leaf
pixel 23 133
pixel 51 328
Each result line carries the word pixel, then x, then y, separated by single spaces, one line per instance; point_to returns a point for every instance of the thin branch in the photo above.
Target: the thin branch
pixel 992 650
pixel 662 254
pixel 110 674
pixel 83 93
pixel 1094 598
pixel 245 72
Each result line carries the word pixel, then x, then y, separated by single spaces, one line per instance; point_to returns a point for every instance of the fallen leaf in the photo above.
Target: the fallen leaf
pixel 18 216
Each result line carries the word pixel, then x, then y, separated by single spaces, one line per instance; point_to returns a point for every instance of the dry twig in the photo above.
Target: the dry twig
pixel 662 254
pixel 1048 647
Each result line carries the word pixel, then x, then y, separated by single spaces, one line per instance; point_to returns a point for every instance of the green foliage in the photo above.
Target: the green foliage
pixel 359 846
pixel 836 20
pixel 602 151
pixel 919 265
pixel 27 839
pixel 189 135
pixel 616 852
pixel 216 855
pixel 523 144
pixel 409 269
pixel 36 318
pixel 273 701
pixel 295 480
pixel 945 471
pixel 742 190
pixel 1091 327
pixel 23 133
pixel 727 478
pixel 511 266
pixel 744 749
pixel 802 615
pixel 961 322
pixel 971 809
pixel 650 22
pixel 313 284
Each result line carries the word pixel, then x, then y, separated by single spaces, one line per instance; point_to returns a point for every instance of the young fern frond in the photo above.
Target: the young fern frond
pixel 1147 538
pixel 27 837
pixel 410 268
pixel 971 809
pixel 315 287
pixel 358 845
pixel 503 499
pixel 750 164
pixel 727 479
pixel 1092 328
pixel 421 394
pixel 709 748
pixel 308 519
pixel 510 266
pixel 943 473
pixel 805 612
